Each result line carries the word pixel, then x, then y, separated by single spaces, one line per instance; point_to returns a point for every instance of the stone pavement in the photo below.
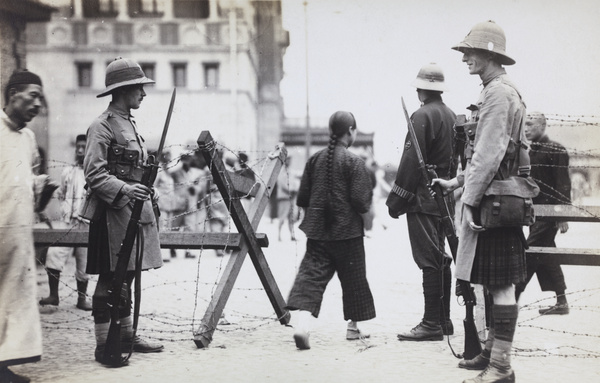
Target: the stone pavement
pixel 256 348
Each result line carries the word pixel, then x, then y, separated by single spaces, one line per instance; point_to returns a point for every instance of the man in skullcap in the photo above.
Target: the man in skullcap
pixel 20 329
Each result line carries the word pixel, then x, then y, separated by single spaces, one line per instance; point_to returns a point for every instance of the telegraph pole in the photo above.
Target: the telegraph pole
pixel 308 135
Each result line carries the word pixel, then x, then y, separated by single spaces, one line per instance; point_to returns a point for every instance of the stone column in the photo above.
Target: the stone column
pixel 123 12
pixel 168 11
pixel 77 9
pixel 213 10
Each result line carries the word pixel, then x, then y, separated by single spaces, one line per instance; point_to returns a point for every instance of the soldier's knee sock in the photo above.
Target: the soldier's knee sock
pixel 505 323
pixel 127 327
pixel 489 342
pixel 101 332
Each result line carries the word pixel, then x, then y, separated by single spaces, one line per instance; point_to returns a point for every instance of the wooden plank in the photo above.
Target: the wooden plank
pixel 570 213
pixel 565 256
pixel 168 239
pixel 203 335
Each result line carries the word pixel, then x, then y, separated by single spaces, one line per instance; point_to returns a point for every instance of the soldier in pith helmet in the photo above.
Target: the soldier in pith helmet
pixel 114 158
pixel 433 124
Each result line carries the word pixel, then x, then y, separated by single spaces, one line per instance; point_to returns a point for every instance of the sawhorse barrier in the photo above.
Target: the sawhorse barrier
pixel 231 186
pixel 566 256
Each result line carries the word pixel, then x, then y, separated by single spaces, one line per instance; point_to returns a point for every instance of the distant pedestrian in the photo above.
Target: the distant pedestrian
pixel 114 157
pixel 550 169
pixel 71 194
pixel 287 192
pixel 20 329
pixel 369 216
pixel 190 191
pixel 335 190
pixel 433 123
pixel 165 187
pixel 216 209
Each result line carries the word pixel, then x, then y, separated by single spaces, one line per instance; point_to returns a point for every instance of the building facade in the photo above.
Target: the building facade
pixel 223 56
pixel 14 17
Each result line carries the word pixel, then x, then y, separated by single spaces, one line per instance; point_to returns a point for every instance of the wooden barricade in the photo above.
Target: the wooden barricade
pixel 231 186
pixel 246 225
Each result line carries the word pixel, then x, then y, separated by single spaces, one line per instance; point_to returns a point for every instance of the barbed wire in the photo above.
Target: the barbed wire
pixel 171 327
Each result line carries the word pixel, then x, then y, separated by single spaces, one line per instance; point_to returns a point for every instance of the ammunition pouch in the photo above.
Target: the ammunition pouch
pixel 124 163
pixel 465 131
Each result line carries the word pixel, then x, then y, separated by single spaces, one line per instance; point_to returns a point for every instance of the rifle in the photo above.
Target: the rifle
pixel 472 343
pixel 112 350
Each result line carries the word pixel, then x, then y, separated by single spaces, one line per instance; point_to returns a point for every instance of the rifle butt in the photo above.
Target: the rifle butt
pixel 472 343
pixel 112 348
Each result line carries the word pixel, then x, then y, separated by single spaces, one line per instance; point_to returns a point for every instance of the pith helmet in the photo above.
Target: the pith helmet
pixel 122 72
pixel 487 36
pixel 430 77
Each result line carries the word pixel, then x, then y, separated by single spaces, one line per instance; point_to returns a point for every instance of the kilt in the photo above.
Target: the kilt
pixel 499 257
pixel 321 261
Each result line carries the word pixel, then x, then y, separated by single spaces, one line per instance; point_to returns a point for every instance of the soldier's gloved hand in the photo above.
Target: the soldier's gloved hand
pixel 393 213
pixel 137 191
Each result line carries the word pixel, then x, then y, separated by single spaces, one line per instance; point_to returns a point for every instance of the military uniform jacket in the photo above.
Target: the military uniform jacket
pixel 351 194
pixel 433 124
pixel 101 138
pixel 500 113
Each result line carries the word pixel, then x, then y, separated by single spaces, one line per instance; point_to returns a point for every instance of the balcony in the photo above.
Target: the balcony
pixel 141 33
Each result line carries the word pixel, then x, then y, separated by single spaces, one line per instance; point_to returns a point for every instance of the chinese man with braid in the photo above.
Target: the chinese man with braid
pixel 335 191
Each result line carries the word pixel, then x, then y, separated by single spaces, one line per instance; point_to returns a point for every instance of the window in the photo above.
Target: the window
pixel 123 34
pixel 146 8
pixel 84 74
pixel 211 75
pixel 169 34
pixel 149 70
pixel 192 9
pixel 179 75
pixel 80 36
pixel 100 8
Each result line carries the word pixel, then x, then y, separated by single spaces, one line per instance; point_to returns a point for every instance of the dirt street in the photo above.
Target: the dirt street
pixel 254 347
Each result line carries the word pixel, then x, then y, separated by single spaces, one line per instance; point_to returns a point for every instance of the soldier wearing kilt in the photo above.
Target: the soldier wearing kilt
pixel 494 258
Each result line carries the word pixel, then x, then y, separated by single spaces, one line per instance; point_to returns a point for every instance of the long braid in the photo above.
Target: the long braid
pixel 340 124
pixel 330 154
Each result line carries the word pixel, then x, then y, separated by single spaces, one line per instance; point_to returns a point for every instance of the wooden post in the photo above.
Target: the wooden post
pixel 246 226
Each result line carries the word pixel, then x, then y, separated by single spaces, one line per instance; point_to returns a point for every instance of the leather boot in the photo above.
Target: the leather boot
pixel 82 301
pixel 53 279
pixel 7 375
pixel 137 344
pixel 480 362
pixel 132 342
pixel 493 375
pixel 424 331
